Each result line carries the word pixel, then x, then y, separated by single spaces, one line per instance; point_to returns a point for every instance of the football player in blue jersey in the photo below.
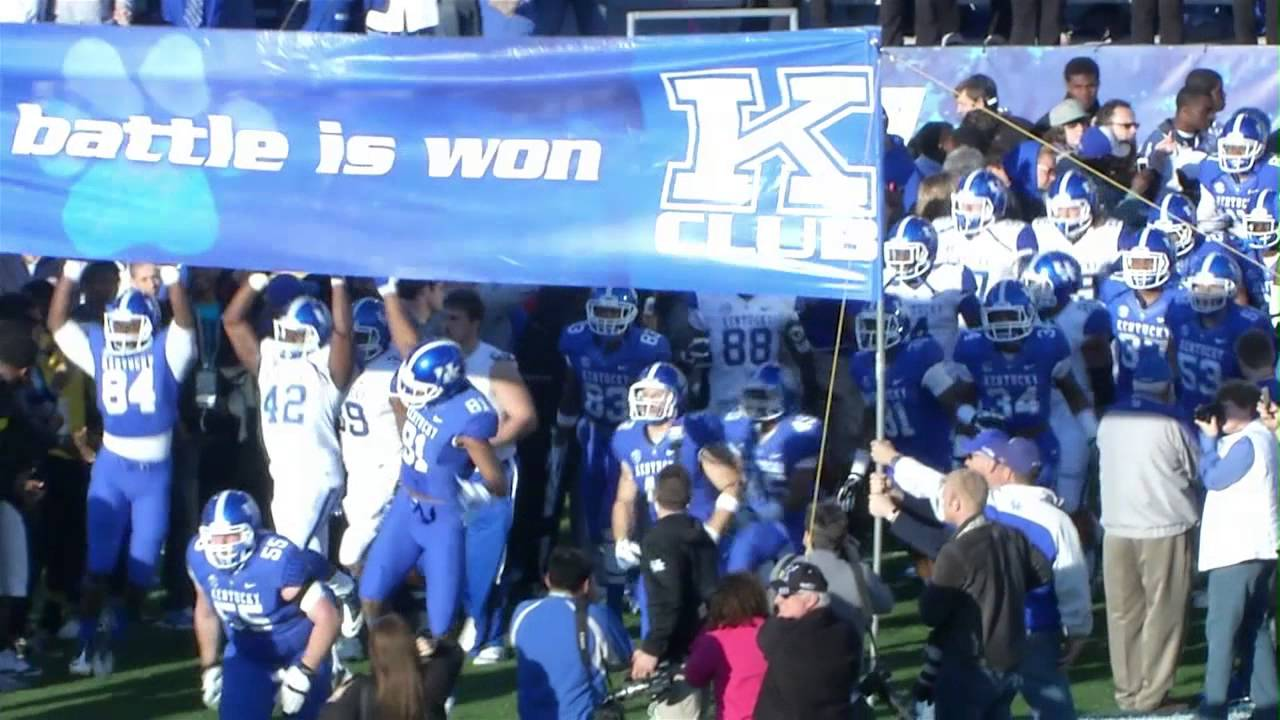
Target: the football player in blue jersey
pixel 444 437
pixel 1204 331
pixel 933 297
pixel 138 366
pixel 1175 216
pixel 1009 370
pixel 657 435
pixel 1140 312
pixel 266 594
pixel 1053 282
pixel 915 376
pixel 1262 237
pixel 1241 169
pixel 777 449
pixel 605 354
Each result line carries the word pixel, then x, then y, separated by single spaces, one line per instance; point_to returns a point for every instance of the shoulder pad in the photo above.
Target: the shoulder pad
pixel 805 423
pixel 626 425
pixel 501 355
pixel 576 328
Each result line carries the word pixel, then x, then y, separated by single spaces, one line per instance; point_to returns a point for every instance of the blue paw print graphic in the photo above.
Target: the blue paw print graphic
pixel 119 204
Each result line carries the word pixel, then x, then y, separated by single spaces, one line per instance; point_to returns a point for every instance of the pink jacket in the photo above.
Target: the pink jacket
pixel 731 658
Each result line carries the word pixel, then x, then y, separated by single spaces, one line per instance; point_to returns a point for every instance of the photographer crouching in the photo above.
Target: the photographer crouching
pixel 1238 536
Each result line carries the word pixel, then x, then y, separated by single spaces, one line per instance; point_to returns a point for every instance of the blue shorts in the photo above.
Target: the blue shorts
pixel 127 499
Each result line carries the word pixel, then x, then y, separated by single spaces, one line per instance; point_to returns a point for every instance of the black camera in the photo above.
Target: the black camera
pixel 1211 411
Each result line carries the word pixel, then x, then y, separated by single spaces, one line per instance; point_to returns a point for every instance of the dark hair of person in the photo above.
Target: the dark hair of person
pixel 16 307
pixel 98 271
pixel 1241 393
pixel 979 87
pixel 17 346
pixel 1202 79
pixel 567 569
pixel 1108 109
pixel 830 528
pixel 397 677
pixel 1256 349
pixel 466 300
pixel 1188 95
pixel 928 141
pixel 737 600
pixel 672 487
pixel 1081 66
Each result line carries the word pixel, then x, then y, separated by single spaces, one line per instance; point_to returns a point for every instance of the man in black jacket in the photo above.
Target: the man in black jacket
pixel 812 655
pixel 680 563
pixel 975 604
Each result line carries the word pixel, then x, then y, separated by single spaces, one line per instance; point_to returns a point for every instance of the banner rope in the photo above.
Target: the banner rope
pixel 1069 156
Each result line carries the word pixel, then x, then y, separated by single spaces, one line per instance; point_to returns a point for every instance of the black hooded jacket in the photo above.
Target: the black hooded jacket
pixel 679 562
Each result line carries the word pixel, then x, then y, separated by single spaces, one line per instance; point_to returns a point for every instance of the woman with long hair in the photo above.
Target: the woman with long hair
pixel 412 677
pixel 726 654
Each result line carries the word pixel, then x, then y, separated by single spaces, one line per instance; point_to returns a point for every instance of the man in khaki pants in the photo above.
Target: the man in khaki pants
pixel 1149 513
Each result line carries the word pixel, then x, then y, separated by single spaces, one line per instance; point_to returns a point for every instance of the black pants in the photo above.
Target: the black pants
pixel 184 517
pixel 1143 22
pixel 61 525
pixel 1246 31
pixel 935 18
pixel 894 16
pixel 1032 19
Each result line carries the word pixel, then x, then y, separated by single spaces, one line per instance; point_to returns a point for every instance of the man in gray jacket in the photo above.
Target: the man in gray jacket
pixel 1149 512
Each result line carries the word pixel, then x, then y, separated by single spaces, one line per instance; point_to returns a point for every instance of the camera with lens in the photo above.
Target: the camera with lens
pixel 1210 412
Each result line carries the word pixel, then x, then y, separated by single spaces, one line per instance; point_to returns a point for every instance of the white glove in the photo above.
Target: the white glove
pixel 386 286
pixel 472 492
pixel 258 281
pixel 294 687
pixel 170 274
pixel 73 269
pixel 211 686
pixel 627 553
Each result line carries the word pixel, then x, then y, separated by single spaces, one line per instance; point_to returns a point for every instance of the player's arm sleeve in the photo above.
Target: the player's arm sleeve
pixel 1027 244
pixel 480 426
pixel 73 340
pixel 179 349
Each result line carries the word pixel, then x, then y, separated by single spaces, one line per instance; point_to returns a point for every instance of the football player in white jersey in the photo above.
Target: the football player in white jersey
pixel 933 296
pixel 1053 281
pixel 747 332
pixel 994 247
pixel 488 520
pixel 1076 225
pixel 302 370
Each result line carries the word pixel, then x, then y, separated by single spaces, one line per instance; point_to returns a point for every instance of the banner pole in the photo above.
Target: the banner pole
pixel 877 537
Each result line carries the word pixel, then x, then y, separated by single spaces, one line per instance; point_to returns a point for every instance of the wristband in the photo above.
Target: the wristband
pixel 337 281
pixel 727 503
pixel 387 287
pixel 258 281
pixel 170 274
pixel 565 421
pixel 73 269
pixel 965 414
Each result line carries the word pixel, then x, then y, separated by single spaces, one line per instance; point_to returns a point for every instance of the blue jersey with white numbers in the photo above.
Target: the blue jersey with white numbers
pixel 914 420
pixel 1016 385
pixel 769 460
pixel 1253 269
pixel 1139 329
pixel 681 444
pixel 1206 357
pixel 1232 193
pixel 137 392
pixel 258 622
pixel 605 372
pixel 430 461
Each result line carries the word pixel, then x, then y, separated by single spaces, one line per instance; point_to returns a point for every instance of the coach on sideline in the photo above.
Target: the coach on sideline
pixel 1238 537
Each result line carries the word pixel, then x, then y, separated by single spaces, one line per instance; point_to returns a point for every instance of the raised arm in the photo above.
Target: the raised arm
pixel 404 335
pixel 341 346
pixel 235 321
pixel 519 418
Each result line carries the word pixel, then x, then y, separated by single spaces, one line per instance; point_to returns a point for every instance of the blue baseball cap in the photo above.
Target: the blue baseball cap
pixel 1094 144
pixel 1020 455
pixel 987 442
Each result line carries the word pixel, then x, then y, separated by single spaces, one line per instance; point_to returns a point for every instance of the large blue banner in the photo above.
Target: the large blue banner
pixel 731 163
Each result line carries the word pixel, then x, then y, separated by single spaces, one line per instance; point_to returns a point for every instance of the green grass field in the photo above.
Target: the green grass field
pixel 157 675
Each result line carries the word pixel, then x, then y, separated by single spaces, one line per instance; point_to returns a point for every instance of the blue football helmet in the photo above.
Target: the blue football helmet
pixel 658 394
pixel 911 248
pixel 369 327
pixel 896 325
pixel 767 395
pixel 1242 142
pixel 1175 216
pixel 228 529
pixel 130 323
pixel 435 371
pixel 979 200
pixel 1213 282
pixel 611 310
pixel 304 327
pixel 1146 259
pixel 1051 279
pixel 1069 203
pixel 1008 314
pixel 1261 220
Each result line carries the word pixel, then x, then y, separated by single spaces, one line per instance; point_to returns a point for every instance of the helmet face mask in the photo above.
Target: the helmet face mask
pixel 1071 217
pixel 303 328
pixel 228 529
pixel 369 328
pixel 971 212
pixel 1210 293
pixel 1144 269
pixel 651 401
pixel 864 328
pixel 1261 224
pixel 611 311
pixel 1006 323
pixel 129 324
pixel 908 260
pixel 1182 234
pixel 1238 153
pixel 763 403
pixel 1040 289
pixel 369 341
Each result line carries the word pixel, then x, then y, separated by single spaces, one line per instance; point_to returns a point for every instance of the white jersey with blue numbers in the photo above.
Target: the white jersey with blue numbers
pixel 932 303
pixel 137 393
pixel 367 424
pixel 1097 250
pixel 997 252
pixel 480 371
pixel 298 412
pixel 745 333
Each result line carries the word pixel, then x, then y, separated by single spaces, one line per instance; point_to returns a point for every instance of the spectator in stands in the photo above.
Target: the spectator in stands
pixel 565 644
pixel 1245 24
pixel 1209 81
pixel 934 199
pixel 1109 147
pixel 1031 167
pixel 928 147
pixel 1238 539
pixel 679 562
pixel 813 656
pixel 1082 78
pixel 975 601
pixel 974 92
pixel 1150 507
pixel 1035 23
pixel 1181 141
pixel 587 14
pixel 962 161
pixel 935 20
pixel 1142 22
pixel 1067 123
pixel 411 677
pixel 18 270
pixel 727 654
pixel 208 13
